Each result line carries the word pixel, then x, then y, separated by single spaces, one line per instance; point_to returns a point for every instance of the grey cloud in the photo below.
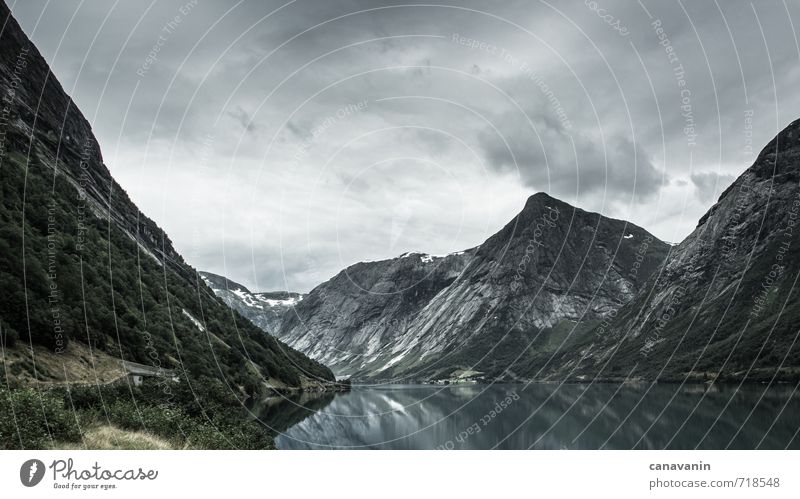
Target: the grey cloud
pixel 609 95
pixel 545 159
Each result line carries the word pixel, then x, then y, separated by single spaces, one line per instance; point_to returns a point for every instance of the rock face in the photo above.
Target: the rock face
pixel 352 320
pixel 726 304
pixel 265 310
pixel 80 263
pixel 484 311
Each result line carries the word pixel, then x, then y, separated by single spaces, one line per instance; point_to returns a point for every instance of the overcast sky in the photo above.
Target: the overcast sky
pixel 278 143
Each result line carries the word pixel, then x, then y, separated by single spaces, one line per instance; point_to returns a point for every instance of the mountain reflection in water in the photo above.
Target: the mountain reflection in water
pixel 540 416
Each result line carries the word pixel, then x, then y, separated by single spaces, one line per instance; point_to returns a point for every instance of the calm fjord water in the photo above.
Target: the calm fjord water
pixel 541 416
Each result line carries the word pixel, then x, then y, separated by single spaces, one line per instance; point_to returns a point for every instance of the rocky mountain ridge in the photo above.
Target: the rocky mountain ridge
pixel 726 303
pixel 422 317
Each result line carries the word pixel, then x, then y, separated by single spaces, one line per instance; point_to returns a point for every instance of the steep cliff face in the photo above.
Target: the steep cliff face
pixel 552 269
pixel 80 263
pixel 482 311
pixel 727 300
pixel 351 321
pixel 265 310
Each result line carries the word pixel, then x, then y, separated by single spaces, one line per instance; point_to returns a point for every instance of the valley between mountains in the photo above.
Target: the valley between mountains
pixel 95 298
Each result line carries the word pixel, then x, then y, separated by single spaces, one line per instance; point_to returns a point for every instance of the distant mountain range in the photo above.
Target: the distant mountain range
pixel 560 293
pixel 265 310
pixel 475 313
pixel 486 312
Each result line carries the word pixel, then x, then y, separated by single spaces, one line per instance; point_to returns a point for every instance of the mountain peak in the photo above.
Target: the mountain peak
pixel 540 198
pixel 778 162
pixel 780 154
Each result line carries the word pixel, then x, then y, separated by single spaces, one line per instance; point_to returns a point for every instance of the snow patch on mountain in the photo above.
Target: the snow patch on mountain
pixel 288 302
pixel 265 310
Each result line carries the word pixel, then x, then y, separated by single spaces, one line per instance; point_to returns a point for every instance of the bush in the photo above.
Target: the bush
pixel 208 417
pixel 31 419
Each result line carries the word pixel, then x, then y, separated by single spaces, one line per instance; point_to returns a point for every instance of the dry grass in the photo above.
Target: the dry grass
pixel 78 364
pixel 107 437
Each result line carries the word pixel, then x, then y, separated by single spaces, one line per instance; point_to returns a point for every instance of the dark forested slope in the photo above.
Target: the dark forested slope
pixel 80 263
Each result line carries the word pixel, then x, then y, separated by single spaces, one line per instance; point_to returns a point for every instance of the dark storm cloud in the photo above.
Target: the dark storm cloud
pixel 569 165
pixel 451 96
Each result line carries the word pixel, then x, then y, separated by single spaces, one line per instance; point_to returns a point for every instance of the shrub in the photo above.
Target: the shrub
pixel 32 419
